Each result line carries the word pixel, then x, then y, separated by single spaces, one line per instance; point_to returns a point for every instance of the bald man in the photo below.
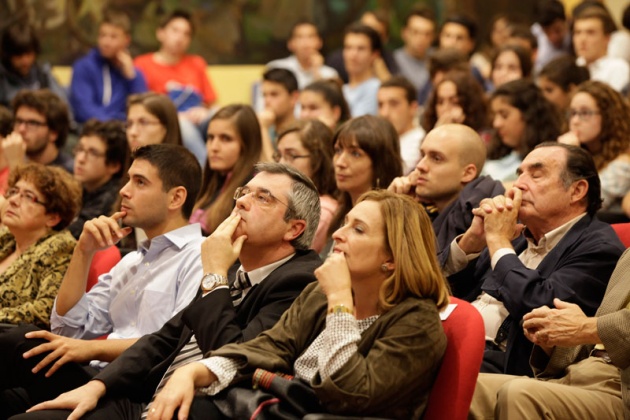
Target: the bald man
pixel 446 180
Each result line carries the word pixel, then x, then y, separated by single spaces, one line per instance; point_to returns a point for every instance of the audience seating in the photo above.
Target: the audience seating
pixel 455 384
pixel 102 262
pixel 623 231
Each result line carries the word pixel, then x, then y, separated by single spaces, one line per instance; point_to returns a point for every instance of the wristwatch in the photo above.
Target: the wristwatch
pixel 211 281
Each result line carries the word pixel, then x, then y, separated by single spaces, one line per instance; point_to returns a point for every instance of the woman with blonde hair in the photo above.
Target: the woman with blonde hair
pixel 599 121
pixel 355 336
pixel 234 145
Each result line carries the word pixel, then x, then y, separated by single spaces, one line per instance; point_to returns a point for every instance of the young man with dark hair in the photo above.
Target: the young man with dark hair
pixel 183 77
pixel 101 158
pixel 19 69
pixel 41 122
pixel 139 294
pixel 397 103
pixel 280 94
pixel 592 29
pixel 270 231
pixel 305 61
pixel 104 78
pixel 361 47
pixel 413 57
pixel 552 32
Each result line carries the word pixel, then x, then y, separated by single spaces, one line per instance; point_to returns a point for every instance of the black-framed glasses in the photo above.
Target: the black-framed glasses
pixel 142 123
pixel 27 195
pixel 289 157
pixel 89 152
pixel 582 114
pixel 29 124
pixel 261 196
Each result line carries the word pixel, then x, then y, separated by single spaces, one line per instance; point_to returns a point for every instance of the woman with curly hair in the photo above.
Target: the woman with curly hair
pixel 522 119
pixel 457 98
pixel 599 121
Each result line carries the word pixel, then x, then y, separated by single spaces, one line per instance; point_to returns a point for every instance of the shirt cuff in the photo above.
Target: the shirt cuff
pixel 223 368
pixel 216 288
pixel 457 258
pixel 501 252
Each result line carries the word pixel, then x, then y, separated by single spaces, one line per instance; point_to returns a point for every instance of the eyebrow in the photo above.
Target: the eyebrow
pixel 533 166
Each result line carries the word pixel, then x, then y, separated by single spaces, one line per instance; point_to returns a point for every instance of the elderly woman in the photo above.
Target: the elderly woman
pixel 367 338
pixel 35 248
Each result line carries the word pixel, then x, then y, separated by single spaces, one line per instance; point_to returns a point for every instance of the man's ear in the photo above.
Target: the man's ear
pixel 580 190
pixel 52 136
pixel 295 229
pixel 469 173
pixel 177 197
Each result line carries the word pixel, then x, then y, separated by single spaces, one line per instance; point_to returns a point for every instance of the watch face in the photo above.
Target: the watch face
pixel 209 281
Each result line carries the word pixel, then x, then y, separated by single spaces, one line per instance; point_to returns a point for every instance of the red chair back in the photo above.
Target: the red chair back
pixel 455 384
pixel 623 232
pixel 102 262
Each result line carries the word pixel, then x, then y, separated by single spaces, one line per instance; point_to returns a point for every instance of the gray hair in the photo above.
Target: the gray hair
pixel 303 201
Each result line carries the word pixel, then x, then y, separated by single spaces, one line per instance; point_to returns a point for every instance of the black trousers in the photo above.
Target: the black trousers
pixel 19 387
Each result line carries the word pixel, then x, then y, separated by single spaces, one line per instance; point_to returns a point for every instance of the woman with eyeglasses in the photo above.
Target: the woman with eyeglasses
pixel 366 338
pixel 151 119
pixel 522 118
pixel 35 247
pixel 234 145
pixel 599 121
pixel 307 146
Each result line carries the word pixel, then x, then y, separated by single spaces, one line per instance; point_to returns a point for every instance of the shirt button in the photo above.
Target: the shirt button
pixel 146 264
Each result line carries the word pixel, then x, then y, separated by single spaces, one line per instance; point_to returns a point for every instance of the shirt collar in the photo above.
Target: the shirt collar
pixel 551 238
pixel 258 275
pixel 179 237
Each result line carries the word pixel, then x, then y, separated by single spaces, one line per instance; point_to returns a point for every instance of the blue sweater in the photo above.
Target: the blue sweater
pixel 87 87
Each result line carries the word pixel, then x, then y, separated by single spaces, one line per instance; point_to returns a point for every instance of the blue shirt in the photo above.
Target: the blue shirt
pixel 362 98
pixel 143 291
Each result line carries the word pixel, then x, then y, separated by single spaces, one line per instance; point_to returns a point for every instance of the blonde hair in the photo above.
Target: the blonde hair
pixel 410 240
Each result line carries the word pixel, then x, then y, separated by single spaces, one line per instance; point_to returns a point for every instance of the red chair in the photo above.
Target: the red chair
pixel 455 384
pixel 102 262
pixel 623 232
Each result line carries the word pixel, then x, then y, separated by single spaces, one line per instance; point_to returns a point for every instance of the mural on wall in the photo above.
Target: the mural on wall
pixel 227 31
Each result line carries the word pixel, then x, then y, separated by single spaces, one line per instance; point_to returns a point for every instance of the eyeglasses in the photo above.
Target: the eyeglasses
pixel 261 196
pixel 582 114
pixel 142 123
pixel 29 124
pixel 289 157
pixel 89 152
pixel 29 196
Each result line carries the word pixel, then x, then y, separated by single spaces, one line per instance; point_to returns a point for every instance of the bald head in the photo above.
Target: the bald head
pixel 465 141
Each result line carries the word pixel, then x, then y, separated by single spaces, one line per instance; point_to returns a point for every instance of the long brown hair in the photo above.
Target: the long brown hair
pixel 410 240
pixel 217 189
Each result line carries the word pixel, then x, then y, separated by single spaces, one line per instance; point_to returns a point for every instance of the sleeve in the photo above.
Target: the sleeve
pixel 224 369
pixel 340 338
pixel 615 180
pixel 53 261
pixel 89 318
pixel 84 93
pixel 614 331
pixel 580 276
pixel 138 84
pixel 209 95
pixel 270 303
pixel 390 373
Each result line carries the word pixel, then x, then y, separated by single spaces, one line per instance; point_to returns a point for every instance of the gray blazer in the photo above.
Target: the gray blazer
pixel 613 327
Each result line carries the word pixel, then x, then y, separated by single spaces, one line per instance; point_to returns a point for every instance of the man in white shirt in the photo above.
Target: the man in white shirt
pixel 591 34
pixel 143 291
pixel 361 47
pixel 397 104
pixel 305 60
pixel 565 252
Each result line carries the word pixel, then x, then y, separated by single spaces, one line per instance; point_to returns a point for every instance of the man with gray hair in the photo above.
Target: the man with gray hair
pixel 270 232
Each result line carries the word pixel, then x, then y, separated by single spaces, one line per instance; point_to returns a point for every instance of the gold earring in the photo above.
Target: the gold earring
pixel 384 268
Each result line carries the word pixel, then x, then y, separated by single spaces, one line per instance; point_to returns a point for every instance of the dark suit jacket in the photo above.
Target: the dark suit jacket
pixel 457 217
pixel 576 270
pixel 213 319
